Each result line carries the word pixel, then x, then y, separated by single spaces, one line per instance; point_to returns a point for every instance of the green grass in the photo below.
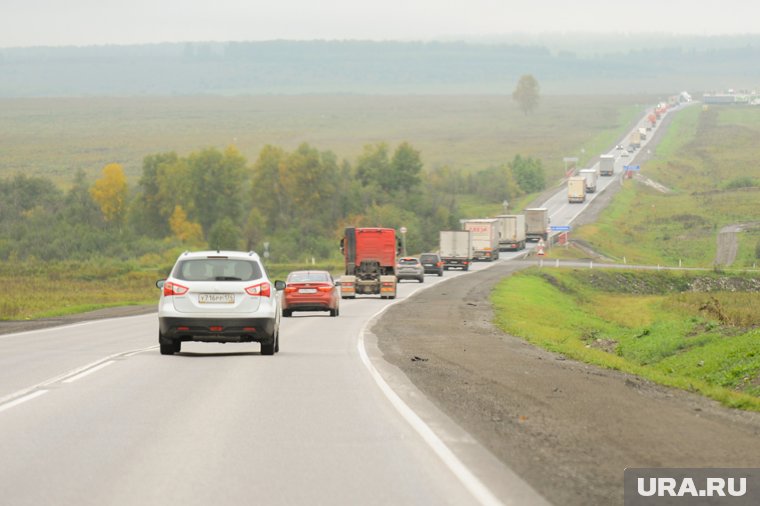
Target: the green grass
pixel 641 323
pixel 42 295
pixel 57 136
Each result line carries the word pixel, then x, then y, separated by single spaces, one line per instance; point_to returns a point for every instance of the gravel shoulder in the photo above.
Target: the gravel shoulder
pixel 568 429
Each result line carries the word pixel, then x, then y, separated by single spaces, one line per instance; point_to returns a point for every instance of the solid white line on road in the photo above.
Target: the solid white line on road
pixel 20 400
pixel 481 493
pixel 72 379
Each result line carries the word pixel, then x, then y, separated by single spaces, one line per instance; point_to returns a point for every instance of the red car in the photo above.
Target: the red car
pixel 310 291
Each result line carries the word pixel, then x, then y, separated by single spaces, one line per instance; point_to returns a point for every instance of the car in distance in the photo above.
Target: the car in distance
pixel 432 263
pixel 310 291
pixel 220 297
pixel 410 268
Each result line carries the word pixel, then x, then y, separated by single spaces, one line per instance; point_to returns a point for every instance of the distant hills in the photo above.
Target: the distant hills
pixel 627 64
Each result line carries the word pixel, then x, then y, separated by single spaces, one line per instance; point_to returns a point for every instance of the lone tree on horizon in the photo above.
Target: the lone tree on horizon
pixel 526 93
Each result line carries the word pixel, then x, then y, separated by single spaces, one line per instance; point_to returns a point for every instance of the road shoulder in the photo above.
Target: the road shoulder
pixel 13 326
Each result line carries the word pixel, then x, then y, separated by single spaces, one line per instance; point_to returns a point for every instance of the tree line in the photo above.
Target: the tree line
pixel 294 204
pixel 566 64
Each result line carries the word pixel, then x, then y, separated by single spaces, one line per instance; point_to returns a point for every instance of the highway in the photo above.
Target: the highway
pixel 563 214
pixel 92 414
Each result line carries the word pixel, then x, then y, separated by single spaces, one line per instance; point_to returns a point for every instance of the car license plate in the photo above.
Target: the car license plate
pixel 428 265
pixel 216 298
pixel 307 290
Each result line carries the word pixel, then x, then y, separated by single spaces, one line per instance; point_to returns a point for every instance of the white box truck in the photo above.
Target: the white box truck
pixel 484 233
pixel 455 249
pixel 576 189
pixel 606 165
pixel 590 175
pixel 512 231
pixel 536 223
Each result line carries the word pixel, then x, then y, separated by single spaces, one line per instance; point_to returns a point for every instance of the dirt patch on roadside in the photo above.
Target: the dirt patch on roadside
pixel 11 326
pixel 566 428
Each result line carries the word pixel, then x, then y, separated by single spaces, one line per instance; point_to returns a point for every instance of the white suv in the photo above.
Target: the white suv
pixel 218 296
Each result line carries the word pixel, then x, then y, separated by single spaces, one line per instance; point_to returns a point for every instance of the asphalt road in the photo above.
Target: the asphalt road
pixel 91 413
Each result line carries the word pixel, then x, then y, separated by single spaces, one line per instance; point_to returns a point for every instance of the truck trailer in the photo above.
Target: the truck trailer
pixel 536 224
pixel 635 139
pixel 511 231
pixel 455 249
pixel 590 176
pixel 606 165
pixel 484 233
pixel 576 189
pixel 370 258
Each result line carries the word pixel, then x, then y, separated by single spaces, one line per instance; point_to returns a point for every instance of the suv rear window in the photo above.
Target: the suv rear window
pixel 217 269
pixel 429 258
pixel 408 261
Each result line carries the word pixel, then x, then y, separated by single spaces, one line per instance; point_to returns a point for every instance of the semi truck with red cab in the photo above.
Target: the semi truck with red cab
pixel 370 258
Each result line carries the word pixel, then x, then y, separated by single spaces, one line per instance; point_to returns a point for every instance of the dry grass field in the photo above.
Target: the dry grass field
pixel 58 136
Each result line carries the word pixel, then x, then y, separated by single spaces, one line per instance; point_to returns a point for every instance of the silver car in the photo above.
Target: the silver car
pixel 218 296
pixel 410 268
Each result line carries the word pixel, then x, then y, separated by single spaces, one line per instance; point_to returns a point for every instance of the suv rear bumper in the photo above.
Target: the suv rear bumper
pixel 216 329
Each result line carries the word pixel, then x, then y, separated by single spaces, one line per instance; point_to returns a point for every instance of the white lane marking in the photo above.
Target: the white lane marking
pixel 73 375
pixel 476 487
pixel 20 400
pixel 72 379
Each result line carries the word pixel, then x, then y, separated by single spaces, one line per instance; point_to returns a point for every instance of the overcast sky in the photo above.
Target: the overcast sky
pixel 86 22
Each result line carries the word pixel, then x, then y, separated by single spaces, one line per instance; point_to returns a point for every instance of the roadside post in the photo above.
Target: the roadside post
pixel 403 239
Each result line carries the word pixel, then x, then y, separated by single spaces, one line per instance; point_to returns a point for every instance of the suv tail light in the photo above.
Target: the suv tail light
pixel 259 290
pixel 172 288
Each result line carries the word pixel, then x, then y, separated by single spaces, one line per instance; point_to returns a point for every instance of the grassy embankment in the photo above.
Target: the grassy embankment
pixel 700 160
pixel 704 342
pixel 649 324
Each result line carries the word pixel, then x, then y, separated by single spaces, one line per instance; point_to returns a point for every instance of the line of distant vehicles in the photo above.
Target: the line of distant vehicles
pixel 585 181
pixel 373 267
